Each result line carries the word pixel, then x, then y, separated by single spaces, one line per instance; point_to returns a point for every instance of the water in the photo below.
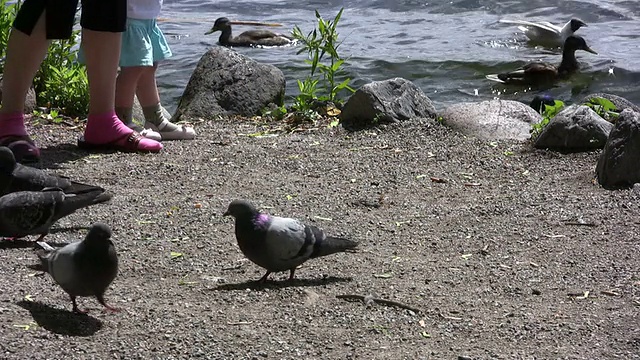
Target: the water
pixel 444 47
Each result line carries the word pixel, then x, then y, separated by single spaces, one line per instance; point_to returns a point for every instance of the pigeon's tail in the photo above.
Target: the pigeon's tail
pixel 80 188
pixel 73 202
pixel 331 245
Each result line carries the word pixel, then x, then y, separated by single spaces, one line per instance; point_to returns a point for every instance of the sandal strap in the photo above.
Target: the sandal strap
pixel 134 138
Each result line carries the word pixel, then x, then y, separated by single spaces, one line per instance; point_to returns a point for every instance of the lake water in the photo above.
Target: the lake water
pixel 444 47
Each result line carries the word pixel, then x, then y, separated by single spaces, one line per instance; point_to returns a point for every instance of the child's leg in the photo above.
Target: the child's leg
pixel 24 55
pixel 102 52
pixel 126 85
pixel 149 98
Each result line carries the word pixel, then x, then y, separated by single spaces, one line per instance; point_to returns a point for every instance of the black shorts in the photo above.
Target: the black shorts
pixel 98 15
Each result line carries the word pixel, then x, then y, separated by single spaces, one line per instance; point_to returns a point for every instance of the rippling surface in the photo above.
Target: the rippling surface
pixel 446 49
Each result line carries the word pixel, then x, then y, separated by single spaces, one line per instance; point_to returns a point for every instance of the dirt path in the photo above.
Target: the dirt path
pixel 490 255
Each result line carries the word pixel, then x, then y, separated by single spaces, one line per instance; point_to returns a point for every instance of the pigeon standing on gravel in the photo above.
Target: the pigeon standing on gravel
pixel 34 212
pixel 16 177
pixel 280 244
pixel 83 268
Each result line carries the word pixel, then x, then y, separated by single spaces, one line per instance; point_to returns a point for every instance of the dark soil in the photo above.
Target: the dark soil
pixel 507 252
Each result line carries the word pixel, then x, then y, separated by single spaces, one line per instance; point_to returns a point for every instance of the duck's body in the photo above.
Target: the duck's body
pixel 541 73
pixel 247 38
pixel 545 33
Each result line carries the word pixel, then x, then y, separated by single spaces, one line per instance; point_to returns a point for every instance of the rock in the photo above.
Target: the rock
pixel 620 102
pixel 30 101
pixel 227 83
pixel 492 119
pixel 575 128
pixel 386 101
pixel 619 163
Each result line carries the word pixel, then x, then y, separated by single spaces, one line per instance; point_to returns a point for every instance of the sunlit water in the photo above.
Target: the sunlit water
pixel 445 47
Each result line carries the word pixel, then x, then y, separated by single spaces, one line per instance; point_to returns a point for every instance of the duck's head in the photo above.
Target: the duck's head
pixel 575 42
pixel 576 24
pixel 220 24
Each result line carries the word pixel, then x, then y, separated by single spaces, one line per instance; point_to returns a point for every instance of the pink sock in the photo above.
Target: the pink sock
pixel 107 128
pixel 12 124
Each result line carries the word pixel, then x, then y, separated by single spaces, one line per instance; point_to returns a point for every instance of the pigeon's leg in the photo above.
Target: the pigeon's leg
pixel 264 278
pixel 75 306
pixel 41 237
pixel 292 273
pixel 103 303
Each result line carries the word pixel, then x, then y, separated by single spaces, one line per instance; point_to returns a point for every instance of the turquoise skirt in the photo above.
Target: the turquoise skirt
pixel 143 43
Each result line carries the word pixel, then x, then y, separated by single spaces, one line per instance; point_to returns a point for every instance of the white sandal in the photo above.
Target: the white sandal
pixel 148 133
pixel 181 133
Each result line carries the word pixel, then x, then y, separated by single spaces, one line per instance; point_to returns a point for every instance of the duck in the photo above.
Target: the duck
pixel 540 73
pixel 545 33
pixel 247 38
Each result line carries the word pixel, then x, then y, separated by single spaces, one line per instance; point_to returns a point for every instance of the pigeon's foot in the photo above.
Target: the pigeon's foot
pixel 111 309
pixel 107 307
pixel 264 278
pixel 76 309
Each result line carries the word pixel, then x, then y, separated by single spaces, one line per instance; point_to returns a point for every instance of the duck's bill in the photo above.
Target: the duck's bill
pixel 254 23
pixel 590 50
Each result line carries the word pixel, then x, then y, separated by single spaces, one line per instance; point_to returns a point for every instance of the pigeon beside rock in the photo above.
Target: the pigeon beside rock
pixel 83 268
pixel 16 177
pixel 34 212
pixel 278 243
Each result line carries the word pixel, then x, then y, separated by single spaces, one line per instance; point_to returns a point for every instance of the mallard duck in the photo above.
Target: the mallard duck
pixel 545 33
pixel 537 73
pixel 247 38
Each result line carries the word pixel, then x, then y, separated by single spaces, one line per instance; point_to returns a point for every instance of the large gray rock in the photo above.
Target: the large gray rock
pixel 385 102
pixel 575 128
pixel 30 100
pixel 619 163
pixel 620 102
pixel 227 83
pixel 492 119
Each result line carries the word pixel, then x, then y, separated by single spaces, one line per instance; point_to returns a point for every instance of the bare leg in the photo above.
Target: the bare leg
pixel 147 90
pixel 126 85
pixel 24 55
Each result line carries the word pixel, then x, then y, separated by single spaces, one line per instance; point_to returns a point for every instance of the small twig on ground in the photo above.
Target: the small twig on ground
pixel 240 323
pixel 378 301
pixel 579 223
pixel 234 267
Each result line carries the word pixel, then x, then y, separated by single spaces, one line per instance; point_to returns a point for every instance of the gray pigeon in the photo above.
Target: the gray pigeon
pixel 16 177
pixel 83 268
pixel 280 244
pixel 34 212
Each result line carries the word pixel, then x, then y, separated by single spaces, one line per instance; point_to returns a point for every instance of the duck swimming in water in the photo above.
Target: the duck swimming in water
pixel 545 33
pixel 541 73
pixel 247 38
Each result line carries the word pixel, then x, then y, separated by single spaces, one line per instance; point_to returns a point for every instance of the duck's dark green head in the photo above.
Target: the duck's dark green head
pixel 577 24
pixel 220 24
pixel 575 42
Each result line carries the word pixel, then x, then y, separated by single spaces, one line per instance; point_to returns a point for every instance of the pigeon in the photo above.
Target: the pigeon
pixel 25 213
pixel 17 177
pixel 545 33
pixel 83 268
pixel 278 243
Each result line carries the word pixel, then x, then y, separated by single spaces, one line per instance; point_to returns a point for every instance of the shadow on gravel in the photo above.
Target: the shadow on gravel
pixel 61 321
pixel 15 244
pixel 254 285
pixel 59 154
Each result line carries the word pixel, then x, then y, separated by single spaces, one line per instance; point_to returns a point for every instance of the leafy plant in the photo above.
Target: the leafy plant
pixel 321 45
pixel 8 12
pixel 548 113
pixel 604 107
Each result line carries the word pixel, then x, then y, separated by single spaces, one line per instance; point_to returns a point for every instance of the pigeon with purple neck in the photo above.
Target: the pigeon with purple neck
pixel 278 243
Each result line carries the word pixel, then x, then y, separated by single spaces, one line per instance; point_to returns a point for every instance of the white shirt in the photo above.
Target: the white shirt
pixel 143 9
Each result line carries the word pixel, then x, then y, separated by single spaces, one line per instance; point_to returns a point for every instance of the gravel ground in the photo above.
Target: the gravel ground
pixel 504 252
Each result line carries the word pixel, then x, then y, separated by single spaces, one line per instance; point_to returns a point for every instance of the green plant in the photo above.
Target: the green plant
pixel 547 114
pixel 319 43
pixel 604 107
pixel 8 12
pixel 61 82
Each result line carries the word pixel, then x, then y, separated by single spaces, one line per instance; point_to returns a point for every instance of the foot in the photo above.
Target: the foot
pixel 106 131
pixel 171 131
pixel 23 148
pixel 148 133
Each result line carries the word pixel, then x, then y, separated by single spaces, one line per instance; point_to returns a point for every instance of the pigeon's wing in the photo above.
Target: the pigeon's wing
pixel 289 240
pixel 28 212
pixel 27 178
pixel 63 269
